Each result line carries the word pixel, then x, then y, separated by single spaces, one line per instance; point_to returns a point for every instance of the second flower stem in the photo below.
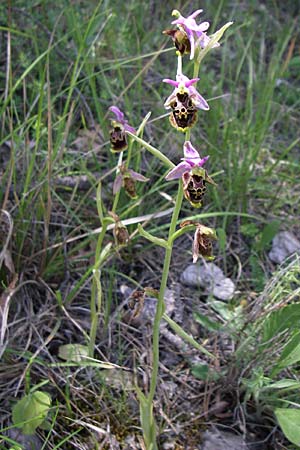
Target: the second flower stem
pixel 160 307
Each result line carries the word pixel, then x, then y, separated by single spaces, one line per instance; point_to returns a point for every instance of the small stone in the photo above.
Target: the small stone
pixel 211 278
pixel 224 289
pixel 283 245
pixel 27 442
pixel 222 440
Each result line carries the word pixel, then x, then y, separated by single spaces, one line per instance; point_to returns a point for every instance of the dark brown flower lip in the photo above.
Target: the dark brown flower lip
pixel 182 122
pixel 180 39
pixel 193 188
pixel 118 139
pixel 129 186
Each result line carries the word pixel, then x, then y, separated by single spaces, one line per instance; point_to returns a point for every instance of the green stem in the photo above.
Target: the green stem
pixel 160 307
pixel 129 153
pixel 179 64
pixel 96 293
pixel 117 196
pixel 196 68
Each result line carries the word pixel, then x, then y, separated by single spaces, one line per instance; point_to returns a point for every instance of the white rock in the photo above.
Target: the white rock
pixel 283 245
pixel 215 439
pixel 224 289
pixel 211 278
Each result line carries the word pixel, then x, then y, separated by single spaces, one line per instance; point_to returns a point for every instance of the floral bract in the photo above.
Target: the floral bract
pixel 118 138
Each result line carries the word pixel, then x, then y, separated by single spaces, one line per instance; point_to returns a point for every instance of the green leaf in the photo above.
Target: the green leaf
pixel 249 229
pixel 286 318
pixel 143 124
pixel 210 325
pixel 223 309
pixel 204 372
pixel 289 421
pixel 30 412
pixel 180 332
pixel 221 238
pixel 290 354
pixel 284 384
pixel 257 272
pixel 73 352
pixel 147 420
pixel 268 233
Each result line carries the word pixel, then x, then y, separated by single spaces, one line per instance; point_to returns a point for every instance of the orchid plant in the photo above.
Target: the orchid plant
pixel 184 104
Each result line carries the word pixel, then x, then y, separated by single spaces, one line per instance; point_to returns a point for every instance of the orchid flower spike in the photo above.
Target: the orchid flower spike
pixel 184 101
pixel 118 137
pixel 194 176
pixel 196 34
pixel 127 178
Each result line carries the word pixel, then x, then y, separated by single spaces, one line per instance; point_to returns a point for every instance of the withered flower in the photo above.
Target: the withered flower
pixel 194 176
pixel 118 138
pixel 136 303
pixel 127 178
pixel 202 244
pixel 120 232
pixel 137 299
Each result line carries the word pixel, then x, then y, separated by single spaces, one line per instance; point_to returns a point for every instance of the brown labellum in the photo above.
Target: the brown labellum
pixel 202 244
pixel 180 39
pixel 193 188
pixel 121 234
pixel 129 186
pixel 118 139
pixel 184 113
